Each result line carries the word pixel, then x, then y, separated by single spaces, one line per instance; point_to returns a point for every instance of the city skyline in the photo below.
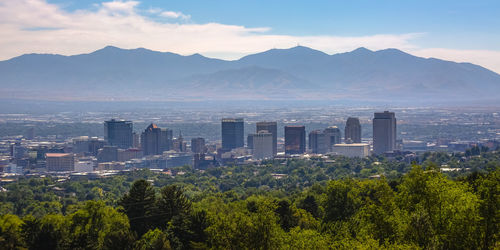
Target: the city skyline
pixel 323 124
pixel 91 153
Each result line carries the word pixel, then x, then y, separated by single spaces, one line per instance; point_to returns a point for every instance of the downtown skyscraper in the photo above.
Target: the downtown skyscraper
pixel 295 139
pixel 384 132
pixel 232 133
pixel 332 137
pixel 318 142
pixel 155 140
pixel 118 133
pixel 272 128
pixel 352 132
pixel 262 145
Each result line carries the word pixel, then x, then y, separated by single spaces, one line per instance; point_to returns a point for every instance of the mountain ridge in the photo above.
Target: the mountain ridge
pixel 298 72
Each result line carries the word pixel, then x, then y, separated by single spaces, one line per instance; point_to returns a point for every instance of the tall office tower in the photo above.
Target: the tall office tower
pixel 198 145
pixel 95 144
pixel 352 130
pixel 332 137
pixel 155 140
pixel 179 144
pixel 295 139
pixel 232 133
pixel 384 132
pixel 262 145
pixel 118 133
pixel 250 141
pixel 271 127
pixel 317 142
pixel 136 140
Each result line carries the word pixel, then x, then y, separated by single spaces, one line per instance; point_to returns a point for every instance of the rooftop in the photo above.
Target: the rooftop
pixel 57 154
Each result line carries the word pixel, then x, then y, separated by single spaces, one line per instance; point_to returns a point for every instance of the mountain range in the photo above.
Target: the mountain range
pixel 298 73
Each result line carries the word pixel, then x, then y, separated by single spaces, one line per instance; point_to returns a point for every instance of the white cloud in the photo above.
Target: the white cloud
pixel 154 10
pixel 126 7
pixel 35 26
pixel 173 14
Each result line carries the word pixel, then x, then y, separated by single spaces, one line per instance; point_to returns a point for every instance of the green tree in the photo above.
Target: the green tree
pixel 447 210
pixel 305 239
pixel 153 240
pixel 310 205
pixel 342 200
pixel 378 218
pixel 285 215
pixel 234 227
pixel 98 226
pixel 172 202
pixel 10 232
pixel 199 223
pixel 488 189
pixel 48 232
pixel 139 205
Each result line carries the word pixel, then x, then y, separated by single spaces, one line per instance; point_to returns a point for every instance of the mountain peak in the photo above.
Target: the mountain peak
pixel 197 55
pixel 361 50
pixel 304 49
pixel 392 51
pixel 107 50
pixel 300 47
pixel 110 48
pixel 290 55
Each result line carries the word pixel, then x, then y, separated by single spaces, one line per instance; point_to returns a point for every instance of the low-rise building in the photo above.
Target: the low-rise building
pixel 352 150
pixel 60 162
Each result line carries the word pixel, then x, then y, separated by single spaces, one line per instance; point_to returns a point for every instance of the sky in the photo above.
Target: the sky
pixel 462 31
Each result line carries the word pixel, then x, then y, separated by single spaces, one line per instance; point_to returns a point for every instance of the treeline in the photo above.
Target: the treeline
pixel 49 195
pixel 422 210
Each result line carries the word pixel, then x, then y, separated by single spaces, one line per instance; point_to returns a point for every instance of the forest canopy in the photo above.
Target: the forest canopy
pixel 244 207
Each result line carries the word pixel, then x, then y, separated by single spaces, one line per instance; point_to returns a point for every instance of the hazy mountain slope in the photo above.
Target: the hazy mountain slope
pixel 104 69
pixel 248 83
pixel 300 72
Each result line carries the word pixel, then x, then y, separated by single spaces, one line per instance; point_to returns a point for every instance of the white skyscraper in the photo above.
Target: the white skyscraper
pixel 262 145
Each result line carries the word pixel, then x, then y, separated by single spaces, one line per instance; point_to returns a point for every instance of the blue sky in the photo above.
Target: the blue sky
pixel 453 30
pixel 451 24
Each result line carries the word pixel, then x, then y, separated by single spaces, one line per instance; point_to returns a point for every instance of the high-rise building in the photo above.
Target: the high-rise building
pixel 232 133
pixel 270 127
pixel 136 140
pixel 155 140
pixel 332 137
pixel 118 133
pixel 198 145
pixel 384 132
pixel 352 132
pixel 295 139
pixel 262 145
pixel 179 144
pixel 250 141
pixel 317 142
